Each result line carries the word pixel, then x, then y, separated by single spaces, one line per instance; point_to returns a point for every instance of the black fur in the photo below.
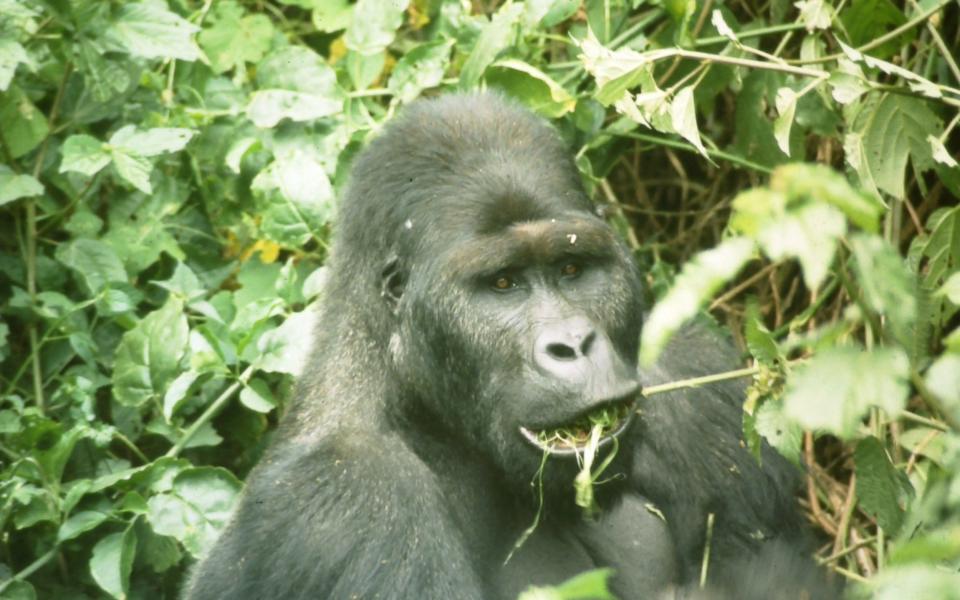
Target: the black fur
pixel 400 470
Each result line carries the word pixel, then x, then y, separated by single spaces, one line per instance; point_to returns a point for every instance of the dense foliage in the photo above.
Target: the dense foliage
pixel 169 173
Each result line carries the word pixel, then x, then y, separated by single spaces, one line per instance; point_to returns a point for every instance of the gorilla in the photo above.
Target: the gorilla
pixel 477 305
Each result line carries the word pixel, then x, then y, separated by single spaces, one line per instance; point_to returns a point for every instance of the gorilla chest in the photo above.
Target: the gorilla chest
pixel 629 539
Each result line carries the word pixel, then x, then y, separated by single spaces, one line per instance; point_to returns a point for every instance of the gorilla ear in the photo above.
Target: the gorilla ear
pixel 392 281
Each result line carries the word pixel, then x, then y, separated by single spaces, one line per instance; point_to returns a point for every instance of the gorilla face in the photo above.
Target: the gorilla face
pixel 527 321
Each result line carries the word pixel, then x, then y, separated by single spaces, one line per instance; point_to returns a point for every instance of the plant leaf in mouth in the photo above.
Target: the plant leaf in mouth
pixel 577 435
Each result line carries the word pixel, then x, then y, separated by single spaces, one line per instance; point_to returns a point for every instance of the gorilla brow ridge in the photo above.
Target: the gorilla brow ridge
pixel 539 242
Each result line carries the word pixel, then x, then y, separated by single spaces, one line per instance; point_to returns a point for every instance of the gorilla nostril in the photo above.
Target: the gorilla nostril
pixel 561 351
pixel 587 342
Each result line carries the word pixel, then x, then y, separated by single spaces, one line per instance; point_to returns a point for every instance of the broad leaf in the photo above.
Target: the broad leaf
pixel 148 357
pixel 150 30
pixel 196 507
pixel 112 562
pixel 834 391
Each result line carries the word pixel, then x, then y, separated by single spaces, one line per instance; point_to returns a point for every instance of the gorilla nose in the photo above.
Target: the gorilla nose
pixel 568 349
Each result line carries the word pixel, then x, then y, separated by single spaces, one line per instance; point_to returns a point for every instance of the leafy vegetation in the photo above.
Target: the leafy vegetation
pixel 169 173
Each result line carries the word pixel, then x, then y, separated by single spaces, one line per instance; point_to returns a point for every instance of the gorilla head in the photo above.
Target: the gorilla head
pixel 507 305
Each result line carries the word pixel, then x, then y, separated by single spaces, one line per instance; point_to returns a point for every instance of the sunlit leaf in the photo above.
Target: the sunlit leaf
pixel 837 387
pixel 374 25
pixel 150 30
pixel 698 281
pixel 235 38
pixel 84 154
pixel 112 562
pixel 196 507
pixel 14 186
pixel 494 37
pixel 149 354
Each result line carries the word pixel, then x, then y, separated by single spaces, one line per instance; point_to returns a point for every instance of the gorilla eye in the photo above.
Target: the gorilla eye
pixel 503 283
pixel 571 270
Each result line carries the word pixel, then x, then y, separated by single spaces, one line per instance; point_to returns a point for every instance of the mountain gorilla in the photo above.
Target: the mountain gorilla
pixel 476 300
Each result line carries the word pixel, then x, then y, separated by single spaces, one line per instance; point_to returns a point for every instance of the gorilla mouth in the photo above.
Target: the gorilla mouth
pixel 605 423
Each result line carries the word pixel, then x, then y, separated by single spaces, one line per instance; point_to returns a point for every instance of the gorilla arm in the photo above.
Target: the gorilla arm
pixel 355 518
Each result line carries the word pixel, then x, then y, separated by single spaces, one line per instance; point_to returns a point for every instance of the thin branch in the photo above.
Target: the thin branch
pixel 215 407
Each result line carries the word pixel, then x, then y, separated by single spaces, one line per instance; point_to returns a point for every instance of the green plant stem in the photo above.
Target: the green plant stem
pixel 31 250
pixel 740 62
pixel 211 412
pixel 846 551
pixel 698 381
pixel 662 141
pixel 749 33
pixel 880 40
pixel 932 423
pixel 705 564
pixel 31 568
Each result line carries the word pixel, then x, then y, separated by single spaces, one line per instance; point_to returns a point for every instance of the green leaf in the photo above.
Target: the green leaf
pixel 286 348
pixel 700 278
pixel 820 183
pixel 177 393
pixel 150 142
pixel 374 25
pixel 837 387
pixel 18 590
pixel 887 284
pixel 256 396
pixel 332 15
pixel 149 354
pixel 786 103
pixel 94 261
pixel 924 582
pixel 809 234
pixel 895 129
pixel 419 69
pixel 494 38
pixel 683 117
pixel 84 154
pixel 13 186
pixel 24 127
pixel 815 14
pixel 132 168
pixel 532 87
pixel 779 429
pixel 951 288
pixel 878 484
pixel 11 54
pixel 364 69
pixel 943 381
pixel 866 20
pixel 196 508
pixel 592 585
pixel 150 30
pixel 106 78
pixel 235 38
pixel 80 523
pixel 269 107
pixel 295 195
pixel 760 342
pixel 547 13
pixel 112 562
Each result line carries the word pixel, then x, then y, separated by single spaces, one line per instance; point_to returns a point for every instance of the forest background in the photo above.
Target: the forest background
pixel 169 175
